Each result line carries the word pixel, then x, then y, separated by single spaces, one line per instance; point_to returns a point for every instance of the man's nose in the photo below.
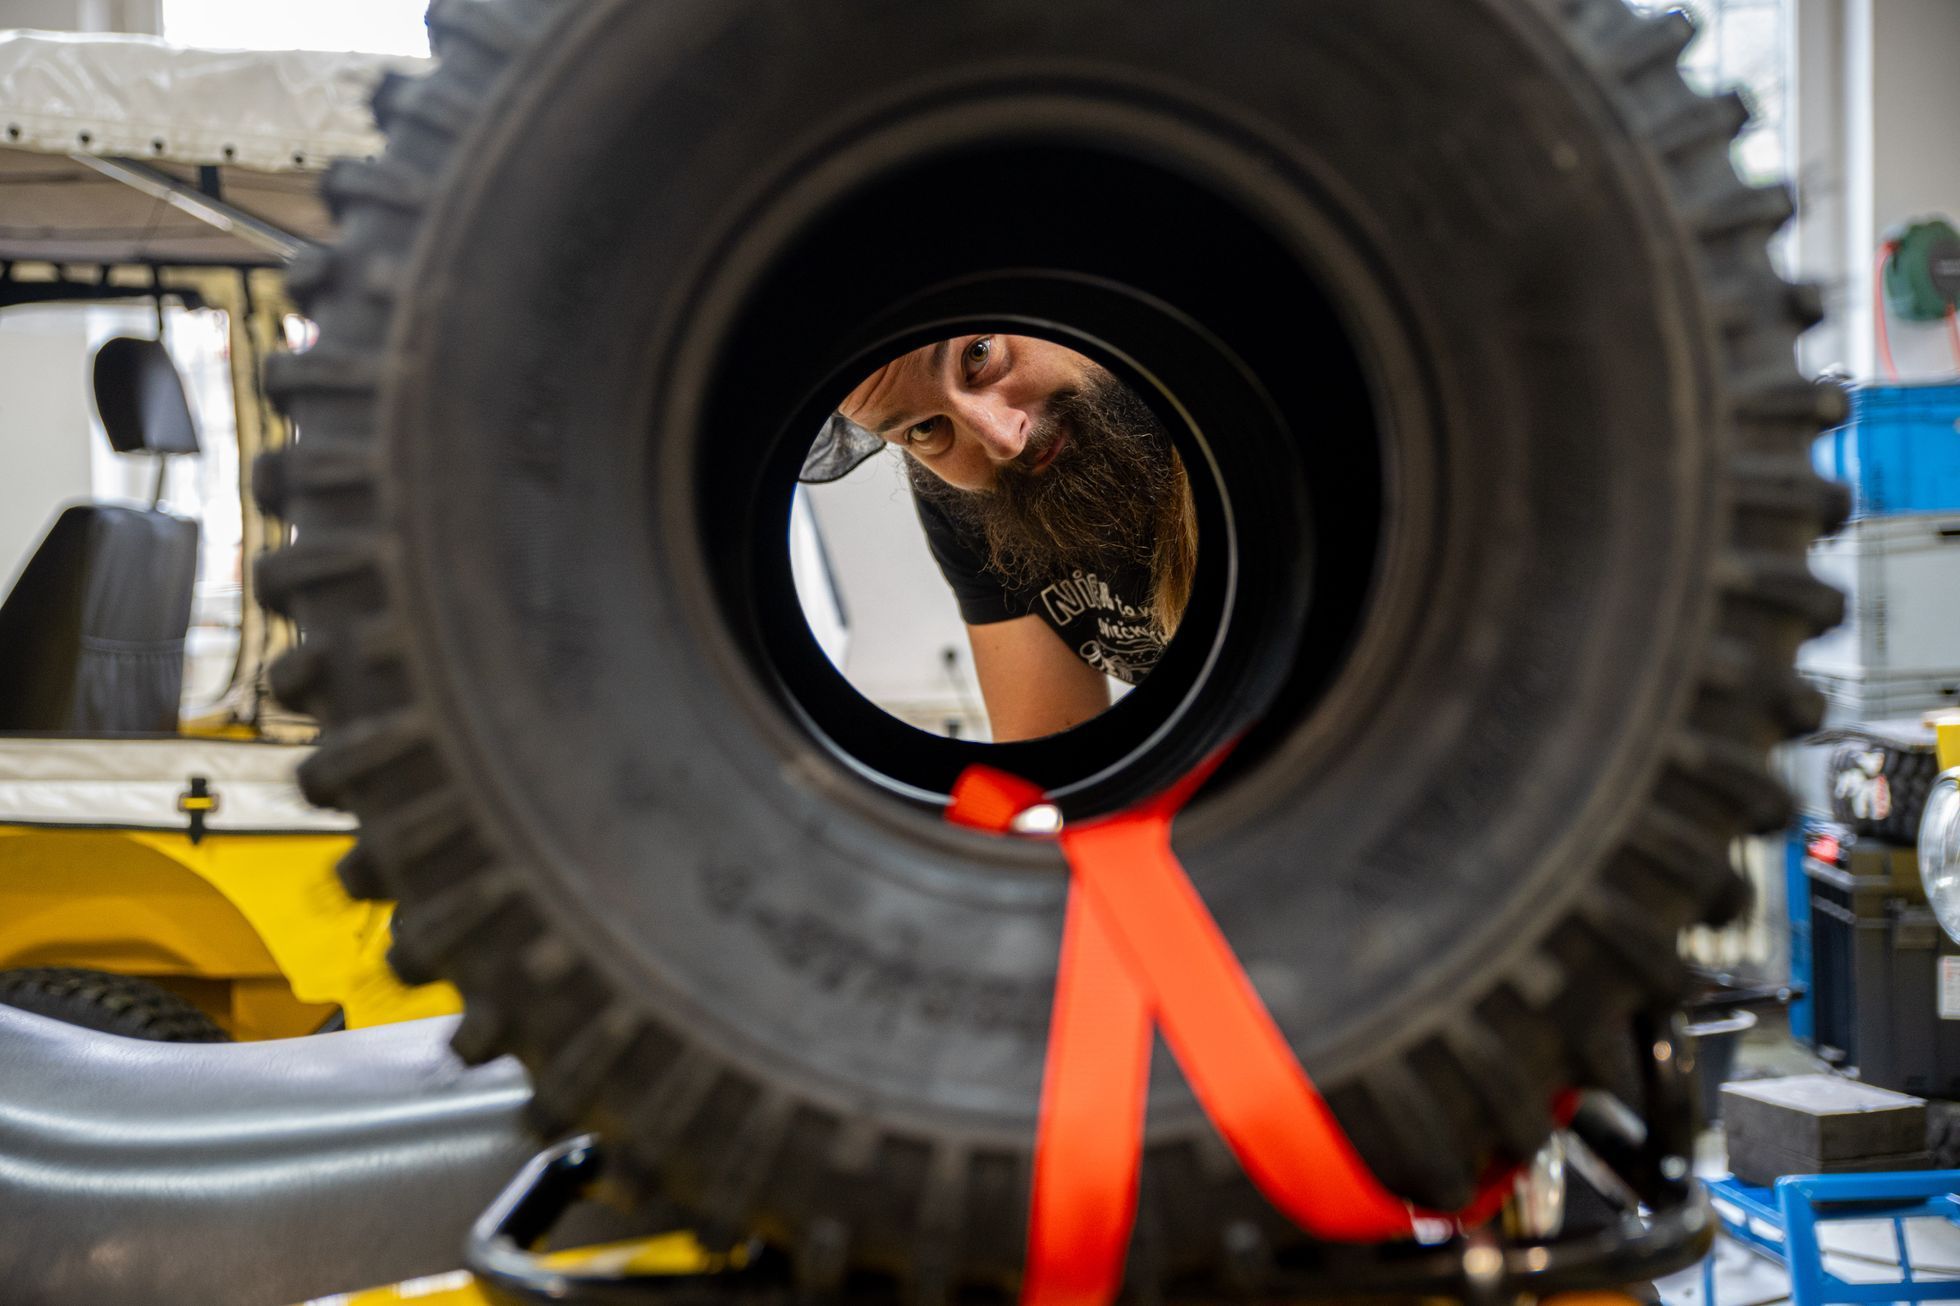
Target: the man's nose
pixel 1001 429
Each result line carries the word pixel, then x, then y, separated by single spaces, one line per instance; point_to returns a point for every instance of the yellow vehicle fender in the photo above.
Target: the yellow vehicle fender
pixel 260 912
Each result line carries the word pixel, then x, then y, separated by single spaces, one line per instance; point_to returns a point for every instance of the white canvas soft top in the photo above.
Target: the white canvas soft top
pixel 135 784
pixel 144 98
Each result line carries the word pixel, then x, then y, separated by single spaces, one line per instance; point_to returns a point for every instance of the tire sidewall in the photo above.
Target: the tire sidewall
pixel 795 922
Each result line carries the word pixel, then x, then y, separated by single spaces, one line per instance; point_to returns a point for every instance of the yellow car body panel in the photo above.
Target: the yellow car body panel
pixel 668 1253
pixel 456 1288
pixel 255 928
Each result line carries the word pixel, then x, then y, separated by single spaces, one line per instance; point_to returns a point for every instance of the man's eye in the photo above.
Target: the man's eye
pixel 932 436
pixel 978 353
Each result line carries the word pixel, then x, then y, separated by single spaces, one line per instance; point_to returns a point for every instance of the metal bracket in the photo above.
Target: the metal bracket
pixel 197 803
pixel 180 194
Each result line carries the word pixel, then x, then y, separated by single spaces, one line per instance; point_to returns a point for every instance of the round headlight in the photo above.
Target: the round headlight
pixel 1939 850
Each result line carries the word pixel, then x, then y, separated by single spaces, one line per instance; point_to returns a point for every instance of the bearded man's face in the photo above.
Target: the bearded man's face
pixel 1086 492
pixel 1040 450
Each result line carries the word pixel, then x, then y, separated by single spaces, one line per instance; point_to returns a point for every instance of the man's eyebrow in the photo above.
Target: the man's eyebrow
pixel 933 364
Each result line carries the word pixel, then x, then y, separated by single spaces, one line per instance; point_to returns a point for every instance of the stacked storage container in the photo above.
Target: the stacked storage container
pixel 1898 558
pixel 1877 955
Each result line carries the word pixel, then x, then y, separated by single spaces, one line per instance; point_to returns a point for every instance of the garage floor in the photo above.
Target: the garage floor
pixel 1861 1251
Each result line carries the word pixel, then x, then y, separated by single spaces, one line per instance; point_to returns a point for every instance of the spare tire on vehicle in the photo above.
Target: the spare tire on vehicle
pixel 113 1004
pixel 1466 326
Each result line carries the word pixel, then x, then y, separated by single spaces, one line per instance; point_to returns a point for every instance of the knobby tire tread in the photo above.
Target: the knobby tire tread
pixel 115 1004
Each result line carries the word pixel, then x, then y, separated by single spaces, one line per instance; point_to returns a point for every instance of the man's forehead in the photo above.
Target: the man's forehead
pixel 905 380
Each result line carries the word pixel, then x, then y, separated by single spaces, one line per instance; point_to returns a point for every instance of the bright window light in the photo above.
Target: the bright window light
pixel 377 26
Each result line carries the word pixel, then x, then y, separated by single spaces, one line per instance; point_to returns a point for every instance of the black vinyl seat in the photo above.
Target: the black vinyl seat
pixel 92 634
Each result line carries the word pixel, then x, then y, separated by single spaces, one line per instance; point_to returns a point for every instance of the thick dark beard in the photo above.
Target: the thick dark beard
pixel 1096 507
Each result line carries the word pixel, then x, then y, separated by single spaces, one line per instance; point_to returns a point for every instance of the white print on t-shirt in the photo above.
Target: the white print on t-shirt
pixel 1129 670
pixel 1068 599
pixel 1126 649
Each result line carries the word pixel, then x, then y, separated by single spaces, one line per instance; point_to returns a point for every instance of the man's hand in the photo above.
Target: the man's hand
pixel 1032 682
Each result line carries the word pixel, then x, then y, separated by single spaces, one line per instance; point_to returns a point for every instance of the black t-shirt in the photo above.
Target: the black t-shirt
pixel 1108 621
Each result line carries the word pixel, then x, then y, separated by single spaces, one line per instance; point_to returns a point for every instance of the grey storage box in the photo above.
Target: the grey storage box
pixel 1820 1124
pixel 1901 625
pixel 1860 699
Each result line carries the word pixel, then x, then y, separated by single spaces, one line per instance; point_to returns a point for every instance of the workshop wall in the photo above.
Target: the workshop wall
pixel 44 428
pixel 902 619
pixel 1873 138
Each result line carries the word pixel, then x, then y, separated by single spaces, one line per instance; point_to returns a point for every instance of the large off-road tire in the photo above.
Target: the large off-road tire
pixel 1466 324
pixel 114 1004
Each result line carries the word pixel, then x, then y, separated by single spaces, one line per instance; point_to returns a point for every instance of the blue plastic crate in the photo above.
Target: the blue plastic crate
pixel 1796 902
pixel 1781 1225
pixel 1900 452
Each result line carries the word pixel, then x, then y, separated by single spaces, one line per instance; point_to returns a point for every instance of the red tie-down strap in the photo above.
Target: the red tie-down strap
pixel 1139 947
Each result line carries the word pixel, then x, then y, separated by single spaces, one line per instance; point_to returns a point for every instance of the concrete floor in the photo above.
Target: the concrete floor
pixel 1855 1251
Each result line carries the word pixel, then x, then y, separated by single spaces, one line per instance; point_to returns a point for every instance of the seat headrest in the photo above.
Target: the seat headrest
pixel 140 398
